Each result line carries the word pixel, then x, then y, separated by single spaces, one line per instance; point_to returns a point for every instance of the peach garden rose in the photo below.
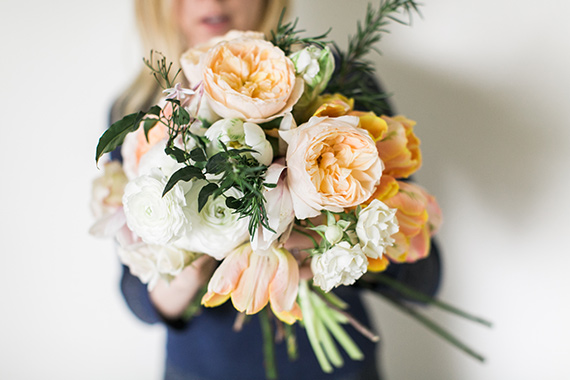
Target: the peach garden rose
pixel 250 79
pixel 192 61
pixel 332 165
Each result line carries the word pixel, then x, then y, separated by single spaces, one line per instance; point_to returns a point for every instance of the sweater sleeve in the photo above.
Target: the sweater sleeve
pixel 137 298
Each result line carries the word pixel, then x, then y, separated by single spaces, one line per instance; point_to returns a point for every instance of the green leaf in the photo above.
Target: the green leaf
pixel 149 122
pixel 233 203
pixel 216 164
pixel 205 123
pixel 115 135
pixel 205 193
pixel 179 154
pixel 198 155
pixel 181 116
pixel 154 110
pixel 185 174
pixel 272 124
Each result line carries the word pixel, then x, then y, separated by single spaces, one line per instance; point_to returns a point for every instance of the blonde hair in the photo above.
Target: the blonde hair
pixel 159 31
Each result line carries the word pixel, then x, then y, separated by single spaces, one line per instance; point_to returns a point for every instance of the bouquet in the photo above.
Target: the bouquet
pixel 259 142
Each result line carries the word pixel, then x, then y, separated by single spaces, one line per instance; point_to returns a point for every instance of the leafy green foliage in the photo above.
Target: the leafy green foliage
pixel 354 77
pixel 115 135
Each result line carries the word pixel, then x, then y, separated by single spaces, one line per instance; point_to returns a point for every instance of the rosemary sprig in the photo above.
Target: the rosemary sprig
pixel 287 35
pixel 354 72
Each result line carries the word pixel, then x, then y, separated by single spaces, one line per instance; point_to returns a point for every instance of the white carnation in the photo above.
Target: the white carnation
pixel 340 265
pixel 375 227
pixel 216 230
pixel 157 219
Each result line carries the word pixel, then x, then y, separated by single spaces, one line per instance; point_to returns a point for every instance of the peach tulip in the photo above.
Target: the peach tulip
pixel 252 280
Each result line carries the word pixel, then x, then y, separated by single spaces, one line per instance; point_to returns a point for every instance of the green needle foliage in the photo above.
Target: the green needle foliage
pixel 354 71
pixel 286 36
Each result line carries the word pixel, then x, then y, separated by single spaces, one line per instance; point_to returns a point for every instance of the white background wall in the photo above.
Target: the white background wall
pixel 487 82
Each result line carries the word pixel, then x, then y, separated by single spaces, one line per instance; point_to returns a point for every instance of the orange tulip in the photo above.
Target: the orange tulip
pixel 399 149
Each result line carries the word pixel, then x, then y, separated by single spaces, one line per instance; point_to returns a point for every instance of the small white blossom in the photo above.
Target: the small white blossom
pixel 340 265
pixel 375 227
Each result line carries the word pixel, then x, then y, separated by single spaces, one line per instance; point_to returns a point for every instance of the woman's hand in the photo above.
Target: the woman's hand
pixel 171 300
pixel 296 243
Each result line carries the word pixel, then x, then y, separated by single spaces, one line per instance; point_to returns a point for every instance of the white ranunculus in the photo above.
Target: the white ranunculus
pixel 216 230
pixel 157 219
pixel 375 227
pixel 340 265
pixel 236 134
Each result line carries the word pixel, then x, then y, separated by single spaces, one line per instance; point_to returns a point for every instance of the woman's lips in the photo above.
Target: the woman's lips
pixel 216 22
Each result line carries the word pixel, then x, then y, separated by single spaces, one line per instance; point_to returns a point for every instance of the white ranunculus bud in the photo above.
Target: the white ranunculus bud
pixel 340 265
pixel 316 66
pixel 375 227
pixel 334 234
pixel 157 219
pixel 236 134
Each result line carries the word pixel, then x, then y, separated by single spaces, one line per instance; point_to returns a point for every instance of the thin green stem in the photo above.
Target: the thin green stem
pixel 406 291
pixel 332 323
pixel 313 240
pixel 434 327
pixel 309 318
pixel 268 345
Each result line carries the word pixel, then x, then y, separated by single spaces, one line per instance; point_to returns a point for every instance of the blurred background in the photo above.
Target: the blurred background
pixel 487 82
